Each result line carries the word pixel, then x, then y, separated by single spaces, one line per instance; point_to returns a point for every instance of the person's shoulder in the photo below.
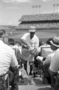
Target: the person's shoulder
pixel 36 35
pixel 26 34
pixel 8 48
pixel 15 46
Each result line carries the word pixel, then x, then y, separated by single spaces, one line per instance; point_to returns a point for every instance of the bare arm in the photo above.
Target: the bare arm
pixel 14 62
pixel 24 43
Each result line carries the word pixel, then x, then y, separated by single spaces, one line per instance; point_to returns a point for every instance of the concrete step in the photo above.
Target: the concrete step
pixel 33 87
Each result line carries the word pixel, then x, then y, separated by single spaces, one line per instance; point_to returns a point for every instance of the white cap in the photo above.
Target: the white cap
pixel 32 29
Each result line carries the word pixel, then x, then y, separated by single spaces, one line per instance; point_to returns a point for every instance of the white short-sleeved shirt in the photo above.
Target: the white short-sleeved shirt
pixel 48 59
pixel 34 42
pixel 54 66
pixel 7 58
pixel 53 59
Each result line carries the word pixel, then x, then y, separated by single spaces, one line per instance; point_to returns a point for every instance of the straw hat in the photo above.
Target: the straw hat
pixel 55 41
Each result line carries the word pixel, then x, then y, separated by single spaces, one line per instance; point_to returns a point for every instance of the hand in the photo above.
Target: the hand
pixel 33 51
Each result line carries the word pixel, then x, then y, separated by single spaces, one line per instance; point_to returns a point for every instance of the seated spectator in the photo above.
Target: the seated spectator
pixel 11 64
pixel 18 51
pixel 5 38
pixel 11 42
pixel 48 41
pixel 18 45
pixel 7 60
pixel 53 60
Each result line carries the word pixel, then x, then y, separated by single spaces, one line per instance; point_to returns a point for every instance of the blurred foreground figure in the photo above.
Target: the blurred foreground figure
pixel 53 61
pixel 15 45
pixel 31 40
pixel 7 60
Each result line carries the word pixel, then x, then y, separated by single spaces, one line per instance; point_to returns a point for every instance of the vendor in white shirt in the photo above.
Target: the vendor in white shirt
pixel 31 40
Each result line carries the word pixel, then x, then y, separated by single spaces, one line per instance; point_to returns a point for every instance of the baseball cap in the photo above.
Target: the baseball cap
pixel 32 29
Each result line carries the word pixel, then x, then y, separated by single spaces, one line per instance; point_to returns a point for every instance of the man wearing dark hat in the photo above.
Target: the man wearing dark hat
pixel 53 60
pixel 55 55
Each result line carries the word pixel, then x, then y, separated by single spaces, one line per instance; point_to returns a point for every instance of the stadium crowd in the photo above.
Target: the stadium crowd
pixel 39 26
pixel 27 54
pixel 40 17
pixel 40 21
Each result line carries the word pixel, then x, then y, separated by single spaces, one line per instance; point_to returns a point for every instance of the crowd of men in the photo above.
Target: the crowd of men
pixel 13 54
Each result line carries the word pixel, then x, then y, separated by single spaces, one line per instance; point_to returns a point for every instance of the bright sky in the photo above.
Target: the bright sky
pixel 12 10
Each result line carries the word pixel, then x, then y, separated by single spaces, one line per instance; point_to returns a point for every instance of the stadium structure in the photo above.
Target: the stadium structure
pixel 40 21
pixel 47 25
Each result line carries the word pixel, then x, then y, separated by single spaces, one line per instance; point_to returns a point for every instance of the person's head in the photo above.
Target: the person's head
pixel 2 32
pixel 48 41
pixel 32 31
pixel 5 38
pixel 41 43
pixel 11 41
pixel 54 43
pixel 17 43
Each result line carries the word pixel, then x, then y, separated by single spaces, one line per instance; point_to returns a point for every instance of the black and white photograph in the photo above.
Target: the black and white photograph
pixel 29 44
